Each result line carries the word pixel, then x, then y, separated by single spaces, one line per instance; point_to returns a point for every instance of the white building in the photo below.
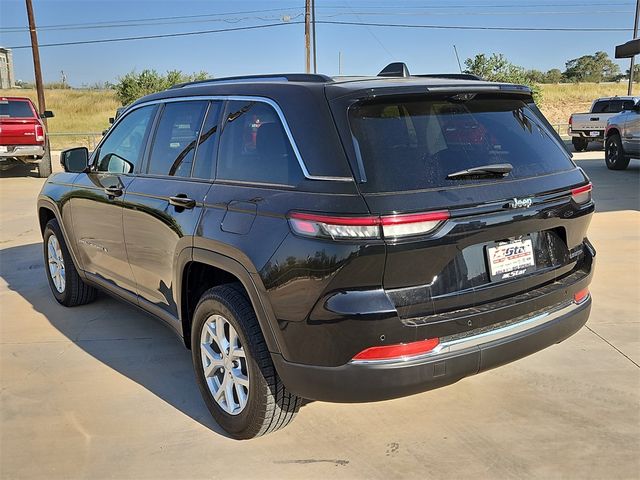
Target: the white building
pixel 7 78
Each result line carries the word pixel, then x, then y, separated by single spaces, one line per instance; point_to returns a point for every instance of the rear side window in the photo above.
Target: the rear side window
pixel 206 152
pixel 254 146
pixel 415 143
pixel 15 109
pixel 612 106
pixel 175 139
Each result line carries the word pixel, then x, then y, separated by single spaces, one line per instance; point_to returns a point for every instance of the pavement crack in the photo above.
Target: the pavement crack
pixel 612 345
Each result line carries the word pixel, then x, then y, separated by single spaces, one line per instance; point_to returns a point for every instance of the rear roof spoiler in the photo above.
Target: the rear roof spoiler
pixel 400 69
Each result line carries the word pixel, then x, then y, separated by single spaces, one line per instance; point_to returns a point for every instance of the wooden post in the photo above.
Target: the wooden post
pixel 307 32
pixel 36 60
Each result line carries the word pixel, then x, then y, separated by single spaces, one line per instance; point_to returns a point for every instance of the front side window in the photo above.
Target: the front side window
pixel 175 139
pixel 122 150
pixel 254 146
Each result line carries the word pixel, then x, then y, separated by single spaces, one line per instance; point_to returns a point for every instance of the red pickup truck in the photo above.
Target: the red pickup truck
pixel 23 138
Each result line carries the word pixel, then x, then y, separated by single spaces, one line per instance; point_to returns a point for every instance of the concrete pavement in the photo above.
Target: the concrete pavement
pixel 105 391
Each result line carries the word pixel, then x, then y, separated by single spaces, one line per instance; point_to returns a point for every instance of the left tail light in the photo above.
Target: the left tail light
pixel 39 133
pixel 389 226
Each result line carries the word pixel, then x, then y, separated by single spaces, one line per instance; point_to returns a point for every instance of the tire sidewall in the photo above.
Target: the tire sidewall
pixel 619 162
pixel 233 424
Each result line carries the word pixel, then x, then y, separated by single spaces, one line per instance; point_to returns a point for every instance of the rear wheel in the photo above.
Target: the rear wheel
pixel 44 167
pixel 65 282
pixel 614 154
pixel 579 144
pixel 233 366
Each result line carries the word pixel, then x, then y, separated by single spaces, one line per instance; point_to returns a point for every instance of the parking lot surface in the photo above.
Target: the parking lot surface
pixel 105 391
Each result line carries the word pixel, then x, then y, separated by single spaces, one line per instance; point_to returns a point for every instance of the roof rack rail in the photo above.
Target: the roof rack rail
pixel 459 76
pixel 276 77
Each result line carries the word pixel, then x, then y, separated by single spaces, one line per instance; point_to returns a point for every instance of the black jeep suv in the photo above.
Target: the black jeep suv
pixel 345 240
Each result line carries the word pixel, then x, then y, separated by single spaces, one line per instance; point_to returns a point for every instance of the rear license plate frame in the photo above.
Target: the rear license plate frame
pixel 521 263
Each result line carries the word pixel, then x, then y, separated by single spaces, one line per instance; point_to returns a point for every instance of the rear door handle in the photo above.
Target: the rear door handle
pixel 113 191
pixel 182 201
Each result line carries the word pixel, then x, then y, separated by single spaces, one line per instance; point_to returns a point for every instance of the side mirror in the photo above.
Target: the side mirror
pixel 47 114
pixel 75 160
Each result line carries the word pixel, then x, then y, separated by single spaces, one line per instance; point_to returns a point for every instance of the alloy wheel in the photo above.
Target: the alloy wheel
pixel 56 264
pixel 224 363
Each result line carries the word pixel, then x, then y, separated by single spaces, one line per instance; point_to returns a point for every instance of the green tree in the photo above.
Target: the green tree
pixel 553 76
pixel 496 68
pixel 535 76
pixel 636 73
pixel 592 68
pixel 135 85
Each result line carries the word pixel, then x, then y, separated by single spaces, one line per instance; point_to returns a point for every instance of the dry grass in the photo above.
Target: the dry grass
pixel 89 110
pixel 559 101
pixel 75 111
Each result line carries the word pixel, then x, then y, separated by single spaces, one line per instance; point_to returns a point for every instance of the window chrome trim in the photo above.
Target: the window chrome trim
pixel 242 98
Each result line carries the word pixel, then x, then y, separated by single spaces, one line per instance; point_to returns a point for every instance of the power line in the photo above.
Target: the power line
pixel 148 37
pixel 125 23
pixel 469 27
pixel 466 6
pixel 328 22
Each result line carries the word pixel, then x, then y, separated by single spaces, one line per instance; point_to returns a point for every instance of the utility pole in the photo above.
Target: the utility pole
pixel 633 57
pixel 307 32
pixel 313 32
pixel 36 60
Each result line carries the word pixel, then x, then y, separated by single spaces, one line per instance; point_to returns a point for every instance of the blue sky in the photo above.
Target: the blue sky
pixel 365 50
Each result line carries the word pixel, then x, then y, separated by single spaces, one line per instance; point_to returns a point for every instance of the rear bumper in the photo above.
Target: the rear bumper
pixel 457 358
pixel 586 134
pixel 24 152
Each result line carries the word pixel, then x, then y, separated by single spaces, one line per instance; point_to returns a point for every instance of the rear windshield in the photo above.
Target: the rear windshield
pixel 612 106
pixel 15 109
pixel 415 143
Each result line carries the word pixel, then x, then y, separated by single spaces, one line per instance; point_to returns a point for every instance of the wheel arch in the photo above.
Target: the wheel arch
pixel 612 131
pixel 207 269
pixel 47 211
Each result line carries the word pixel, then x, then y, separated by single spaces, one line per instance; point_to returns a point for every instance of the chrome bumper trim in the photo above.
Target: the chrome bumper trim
pixel 463 343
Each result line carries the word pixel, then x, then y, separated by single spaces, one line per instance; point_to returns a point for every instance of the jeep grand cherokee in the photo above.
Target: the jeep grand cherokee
pixel 343 240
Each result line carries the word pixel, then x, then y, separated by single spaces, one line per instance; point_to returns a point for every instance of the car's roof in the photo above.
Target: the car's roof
pixel 276 85
pixel 617 97
pixel 22 99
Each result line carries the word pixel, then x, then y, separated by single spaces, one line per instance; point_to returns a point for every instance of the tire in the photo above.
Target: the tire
pixel 614 153
pixel 71 291
pixel 44 167
pixel 268 405
pixel 579 144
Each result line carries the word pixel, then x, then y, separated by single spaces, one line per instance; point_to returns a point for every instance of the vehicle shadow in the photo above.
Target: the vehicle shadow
pixel 20 171
pixel 120 336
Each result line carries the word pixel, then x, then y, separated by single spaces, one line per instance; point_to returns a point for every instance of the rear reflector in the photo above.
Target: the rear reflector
pixel 581 295
pixel 582 194
pixel 391 226
pixel 399 351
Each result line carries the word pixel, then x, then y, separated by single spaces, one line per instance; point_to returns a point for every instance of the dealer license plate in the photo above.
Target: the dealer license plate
pixel 511 259
pixel 594 133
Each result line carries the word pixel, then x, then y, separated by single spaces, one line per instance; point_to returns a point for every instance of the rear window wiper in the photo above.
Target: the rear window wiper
pixel 493 170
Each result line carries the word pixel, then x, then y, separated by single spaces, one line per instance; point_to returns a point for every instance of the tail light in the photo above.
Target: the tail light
pixel 581 295
pixel 389 226
pixel 582 194
pixel 400 351
pixel 39 133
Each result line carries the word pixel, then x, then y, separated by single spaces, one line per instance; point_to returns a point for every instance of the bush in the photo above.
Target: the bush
pixel 497 68
pixel 135 85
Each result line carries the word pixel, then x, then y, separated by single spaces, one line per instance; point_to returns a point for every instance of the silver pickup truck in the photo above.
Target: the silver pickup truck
pixel 622 138
pixel 590 127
